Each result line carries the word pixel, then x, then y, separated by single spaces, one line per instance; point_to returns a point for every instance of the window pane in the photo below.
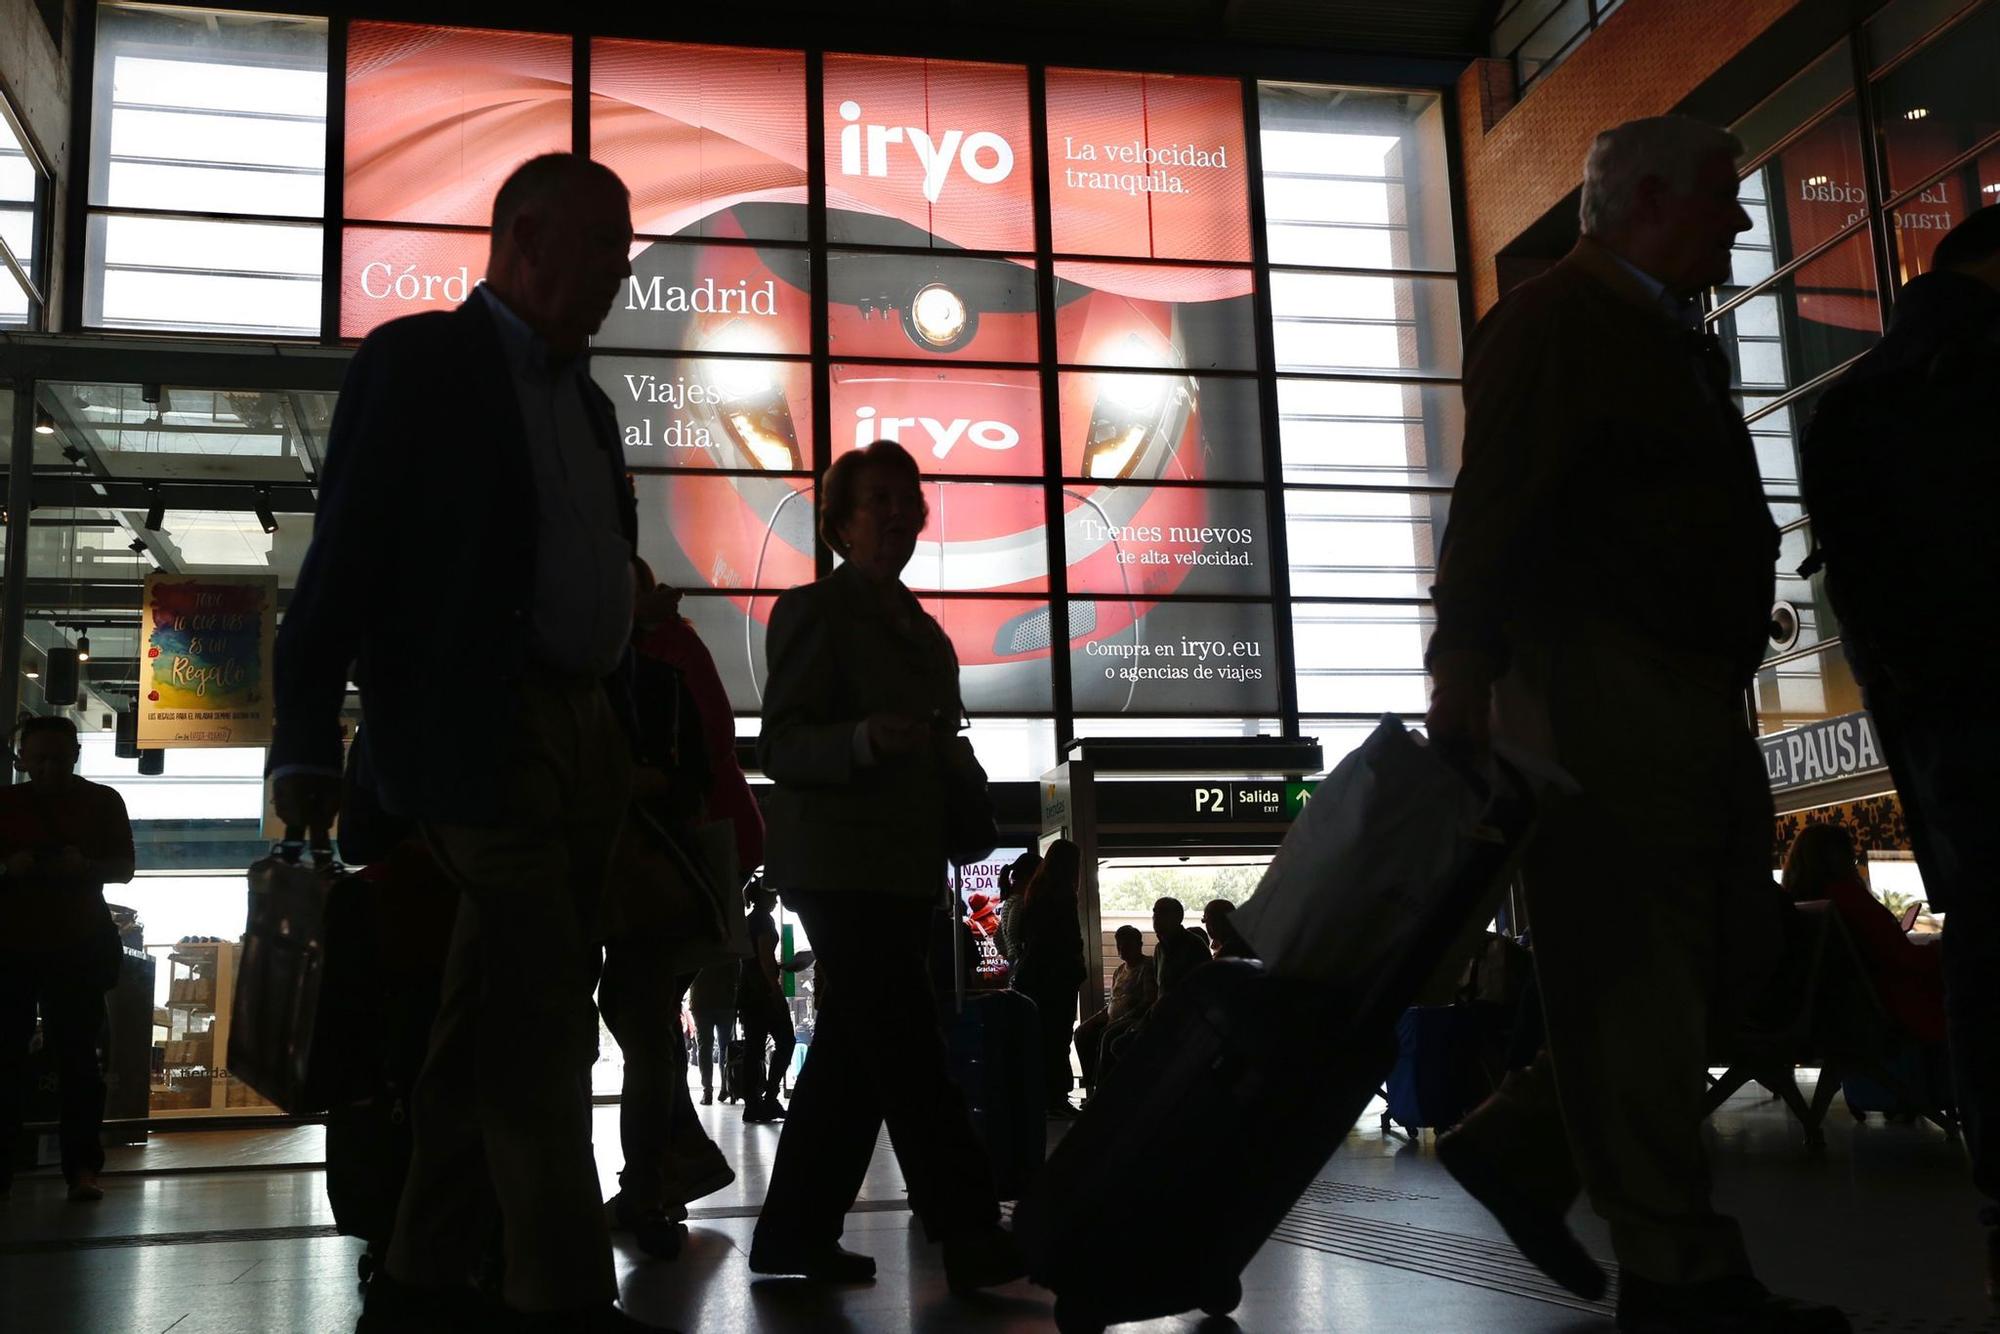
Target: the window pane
pixel 1812 617
pixel 1939 103
pixel 1147 165
pixel 1361 659
pixel 982 422
pixel 1355 178
pixel 1813 320
pixel 1340 737
pixel 1805 690
pixel 1552 39
pixel 1131 656
pixel 438 117
pixel 212 112
pixel 1923 221
pixel 1177 727
pixel 982 537
pixel 1181 428
pixel 726 532
pixel 733 630
pixel 1827 80
pixel 216 277
pixel 922 306
pixel 1899 26
pixel 684 296
pixel 1810 193
pixel 695 130
pixel 1003 661
pixel 940 146
pixel 1354 324
pixel 711 412
pixel 188 434
pixel 1154 317
pixel 1151 541
pixel 18 177
pixel 1370 433
pixel 1012 750
pixel 389 272
pixel 17 229
pixel 1354 544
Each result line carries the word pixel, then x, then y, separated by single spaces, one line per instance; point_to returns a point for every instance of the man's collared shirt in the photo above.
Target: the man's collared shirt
pixel 1683 311
pixel 1133 989
pixel 582 609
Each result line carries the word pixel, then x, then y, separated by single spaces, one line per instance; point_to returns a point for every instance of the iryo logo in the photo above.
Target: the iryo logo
pixel 935 156
pixel 994 435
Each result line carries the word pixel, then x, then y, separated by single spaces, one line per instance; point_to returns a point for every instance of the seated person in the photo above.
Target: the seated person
pixel 1223 940
pixel 1178 951
pixel 1908 977
pixel 1133 991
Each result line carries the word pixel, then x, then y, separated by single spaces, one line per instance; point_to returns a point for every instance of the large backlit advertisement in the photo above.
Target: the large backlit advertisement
pixel 1151 498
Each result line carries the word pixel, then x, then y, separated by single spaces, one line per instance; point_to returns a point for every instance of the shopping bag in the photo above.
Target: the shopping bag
pixel 1395 829
pixel 304 1023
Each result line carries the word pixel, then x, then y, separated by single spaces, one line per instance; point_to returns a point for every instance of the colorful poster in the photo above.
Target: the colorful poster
pixel 205 668
pixel 1148 165
pixel 979 886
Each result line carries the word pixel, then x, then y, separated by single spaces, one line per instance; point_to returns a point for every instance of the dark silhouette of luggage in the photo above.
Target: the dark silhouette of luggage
pixel 995 1048
pixel 1437 1078
pixel 1260 1072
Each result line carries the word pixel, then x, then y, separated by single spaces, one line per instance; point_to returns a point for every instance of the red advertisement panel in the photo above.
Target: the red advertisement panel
pixel 438 117
pixel 694 130
pixel 386 272
pixel 1147 165
pixel 982 423
pixel 940 145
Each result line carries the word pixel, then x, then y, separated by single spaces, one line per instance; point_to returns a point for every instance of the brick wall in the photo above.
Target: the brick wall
pixel 1645 59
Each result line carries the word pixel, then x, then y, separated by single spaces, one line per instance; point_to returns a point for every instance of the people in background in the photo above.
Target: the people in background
pixel 766 1014
pixel 1909 978
pixel 1134 988
pixel 654 950
pixel 1900 471
pixel 1599 375
pixel 712 999
pixel 860 719
pixel 1051 966
pixel 1013 880
pixel 1176 951
pixel 518 773
pixel 62 840
pixel 1223 940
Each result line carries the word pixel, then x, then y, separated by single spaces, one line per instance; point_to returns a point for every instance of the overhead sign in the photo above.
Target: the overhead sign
pixel 1201 801
pixel 205 664
pixel 1822 752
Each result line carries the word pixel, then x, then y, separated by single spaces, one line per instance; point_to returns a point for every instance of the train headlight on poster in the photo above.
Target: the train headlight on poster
pixel 1130 410
pixel 938 319
pixel 752 406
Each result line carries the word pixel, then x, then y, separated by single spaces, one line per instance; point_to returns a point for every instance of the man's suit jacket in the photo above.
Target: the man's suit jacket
pixel 836 659
pixel 420 575
pixel 1608 481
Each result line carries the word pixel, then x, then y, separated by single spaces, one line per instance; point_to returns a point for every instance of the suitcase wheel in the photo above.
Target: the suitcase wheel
pixel 1072 1318
pixel 1224 1299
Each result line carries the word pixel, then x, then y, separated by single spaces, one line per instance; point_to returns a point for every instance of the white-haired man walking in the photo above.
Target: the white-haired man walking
pixel 1603 598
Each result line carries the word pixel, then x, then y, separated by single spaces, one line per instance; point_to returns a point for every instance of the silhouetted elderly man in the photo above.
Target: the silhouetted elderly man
pixel 1603 596
pixel 474 501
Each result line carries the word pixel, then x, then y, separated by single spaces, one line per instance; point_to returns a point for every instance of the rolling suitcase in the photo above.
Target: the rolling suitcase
pixel 1436 1078
pixel 1266 1066
pixel 996 1060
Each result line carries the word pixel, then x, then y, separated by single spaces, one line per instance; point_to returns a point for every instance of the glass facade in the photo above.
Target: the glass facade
pixel 1850 181
pixel 1177 353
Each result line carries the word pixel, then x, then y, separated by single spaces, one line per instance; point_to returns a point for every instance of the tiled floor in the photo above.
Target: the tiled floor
pixel 1881 1225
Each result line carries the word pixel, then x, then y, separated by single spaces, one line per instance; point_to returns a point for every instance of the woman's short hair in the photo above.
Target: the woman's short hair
pixel 1821 855
pixel 840 488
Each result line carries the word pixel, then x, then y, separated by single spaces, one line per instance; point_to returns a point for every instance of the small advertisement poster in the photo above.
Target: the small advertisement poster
pixel 205 661
pixel 979 884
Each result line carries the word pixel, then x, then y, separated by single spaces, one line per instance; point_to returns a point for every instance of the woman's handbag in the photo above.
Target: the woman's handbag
pixel 971 829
